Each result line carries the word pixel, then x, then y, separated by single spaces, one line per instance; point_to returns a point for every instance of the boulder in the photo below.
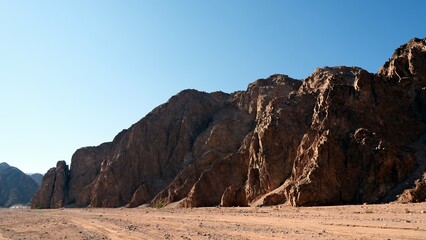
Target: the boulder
pixel 234 197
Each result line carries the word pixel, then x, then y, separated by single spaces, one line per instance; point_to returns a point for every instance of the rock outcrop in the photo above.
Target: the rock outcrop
pixel 340 136
pixel 234 197
pixel 416 194
pixel 54 188
pixel 16 187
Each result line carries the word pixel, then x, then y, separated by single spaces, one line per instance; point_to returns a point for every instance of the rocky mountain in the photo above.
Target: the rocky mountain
pixel 4 166
pixel 340 136
pixel 16 187
pixel 37 177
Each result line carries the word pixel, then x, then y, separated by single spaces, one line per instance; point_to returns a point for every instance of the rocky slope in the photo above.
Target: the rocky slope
pixel 37 177
pixel 340 136
pixel 16 187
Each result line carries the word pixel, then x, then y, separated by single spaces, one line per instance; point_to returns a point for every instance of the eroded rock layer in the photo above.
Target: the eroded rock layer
pixel 340 136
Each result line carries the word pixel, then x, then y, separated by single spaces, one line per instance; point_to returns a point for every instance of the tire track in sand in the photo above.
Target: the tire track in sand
pixel 110 230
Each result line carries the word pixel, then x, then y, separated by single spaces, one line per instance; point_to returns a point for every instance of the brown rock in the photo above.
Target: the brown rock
pixel 407 63
pixel 234 197
pixel 42 197
pixel 153 151
pixel 140 196
pixel 413 189
pixel 274 199
pixel 340 136
pixel 416 194
pixel 278 121
pixel 210 186
pixel 213 156
pixel 60 188
pixel 85 166
pixel 54 187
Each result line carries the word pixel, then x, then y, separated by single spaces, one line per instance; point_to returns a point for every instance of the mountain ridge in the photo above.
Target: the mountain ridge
pixel 16 187
pixel 340 136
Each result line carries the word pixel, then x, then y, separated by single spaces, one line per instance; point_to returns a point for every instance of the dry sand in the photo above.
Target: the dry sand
pixel 387 221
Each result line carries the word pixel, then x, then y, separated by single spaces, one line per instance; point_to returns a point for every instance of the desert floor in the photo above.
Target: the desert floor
pixel 387 221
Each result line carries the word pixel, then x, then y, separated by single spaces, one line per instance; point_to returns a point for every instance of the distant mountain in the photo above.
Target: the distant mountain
pixel 37 177
pixel 16 187
pixel 3 166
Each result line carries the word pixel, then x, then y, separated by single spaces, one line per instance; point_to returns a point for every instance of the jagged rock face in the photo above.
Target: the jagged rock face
pixel 414 187
pixel 416 194
pixel 16 187
pixel 354 150
pixel 407 63
pixel 279 126
pixel 42 197
pixel 213 161
pixel 340 136
pixel 53 189
pixel 152 152
pixel 234 197
pixel 85 165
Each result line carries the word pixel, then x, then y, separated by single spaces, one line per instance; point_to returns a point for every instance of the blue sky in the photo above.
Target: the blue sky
pixel 75 73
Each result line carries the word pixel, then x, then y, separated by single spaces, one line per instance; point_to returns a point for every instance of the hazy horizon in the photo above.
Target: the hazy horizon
pixel 75 74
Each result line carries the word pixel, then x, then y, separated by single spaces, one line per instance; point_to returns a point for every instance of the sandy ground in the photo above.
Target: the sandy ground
pixel 387 221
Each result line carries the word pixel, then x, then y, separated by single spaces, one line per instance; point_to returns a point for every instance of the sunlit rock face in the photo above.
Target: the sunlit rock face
pixel 340 136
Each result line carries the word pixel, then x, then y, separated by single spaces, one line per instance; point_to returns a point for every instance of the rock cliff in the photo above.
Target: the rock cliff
pixel 340 136
pixel 54 188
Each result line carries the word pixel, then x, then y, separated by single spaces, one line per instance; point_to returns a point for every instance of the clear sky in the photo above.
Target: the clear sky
pixel 75 73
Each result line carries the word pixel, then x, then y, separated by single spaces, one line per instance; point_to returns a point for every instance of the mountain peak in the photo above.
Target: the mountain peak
pixel 3 166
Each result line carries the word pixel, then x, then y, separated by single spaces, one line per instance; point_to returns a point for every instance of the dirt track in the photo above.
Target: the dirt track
pixel 388 221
